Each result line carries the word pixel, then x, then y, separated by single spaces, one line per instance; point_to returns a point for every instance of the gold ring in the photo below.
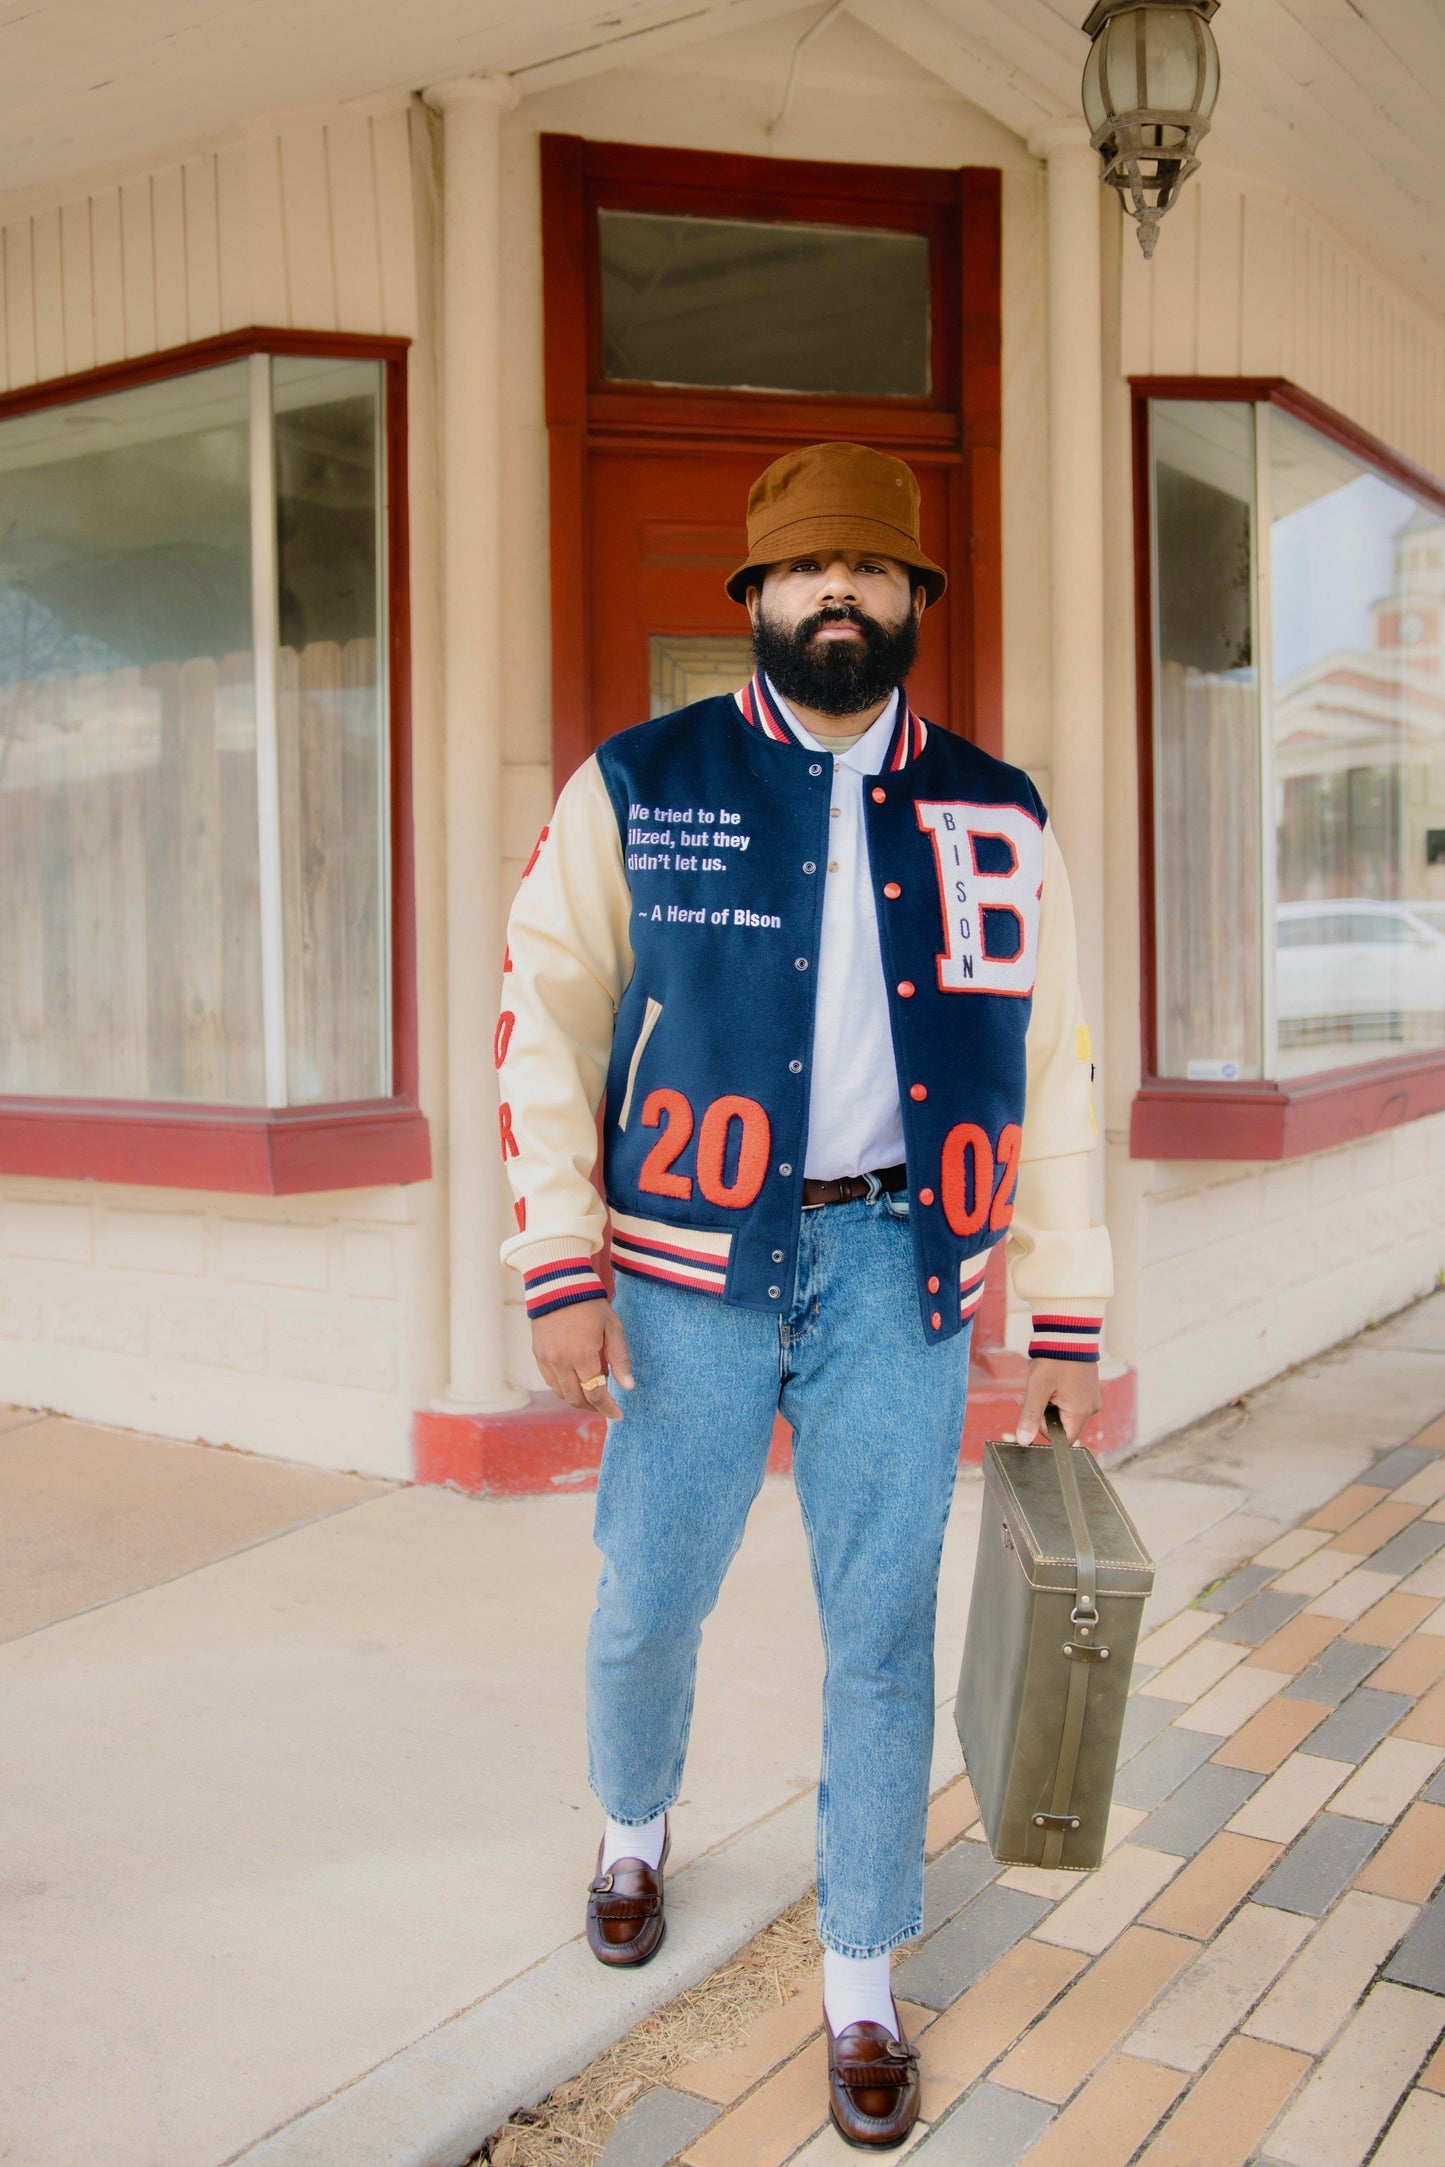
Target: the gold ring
pixel 590 1384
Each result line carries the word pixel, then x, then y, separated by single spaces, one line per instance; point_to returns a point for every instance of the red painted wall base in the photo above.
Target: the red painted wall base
pixel 546 1449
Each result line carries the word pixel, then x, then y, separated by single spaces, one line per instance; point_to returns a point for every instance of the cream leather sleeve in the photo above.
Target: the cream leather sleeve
pixel 1062 1263
pixel 570 957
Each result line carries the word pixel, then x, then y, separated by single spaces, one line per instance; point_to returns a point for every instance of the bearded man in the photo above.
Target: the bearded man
pixel 815 958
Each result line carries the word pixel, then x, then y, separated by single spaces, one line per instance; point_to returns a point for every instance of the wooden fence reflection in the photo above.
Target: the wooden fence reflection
pixel 129 891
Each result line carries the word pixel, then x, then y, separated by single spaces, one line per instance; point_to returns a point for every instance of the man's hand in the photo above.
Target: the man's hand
pixel 1072 1386
pixel 579 1344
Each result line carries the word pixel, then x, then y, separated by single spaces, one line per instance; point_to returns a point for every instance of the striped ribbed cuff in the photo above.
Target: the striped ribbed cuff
pixel 558 1285
pixel 1065 1339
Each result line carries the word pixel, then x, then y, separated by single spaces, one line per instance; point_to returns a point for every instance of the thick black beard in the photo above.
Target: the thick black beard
pixel 837 678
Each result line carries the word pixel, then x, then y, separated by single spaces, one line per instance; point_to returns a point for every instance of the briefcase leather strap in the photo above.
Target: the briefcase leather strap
pixel 1082 1651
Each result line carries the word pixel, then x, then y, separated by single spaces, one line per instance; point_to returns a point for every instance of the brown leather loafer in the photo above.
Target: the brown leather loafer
pixel 625 1921
pixel 873 2088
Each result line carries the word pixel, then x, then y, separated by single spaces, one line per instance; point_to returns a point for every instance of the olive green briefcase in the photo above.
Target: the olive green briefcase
pixel 1057 1596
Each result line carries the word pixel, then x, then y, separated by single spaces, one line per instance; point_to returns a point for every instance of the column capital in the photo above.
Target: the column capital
pixel 495 90
pixel 1067 131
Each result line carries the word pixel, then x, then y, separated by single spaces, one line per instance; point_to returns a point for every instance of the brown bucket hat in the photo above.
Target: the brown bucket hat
pixel 834 496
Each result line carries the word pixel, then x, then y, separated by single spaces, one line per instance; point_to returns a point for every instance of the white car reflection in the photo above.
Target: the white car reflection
pixel 1351 967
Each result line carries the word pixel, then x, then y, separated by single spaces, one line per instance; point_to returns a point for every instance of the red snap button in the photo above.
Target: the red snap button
pixel 880 797
pixel 933 1286
pixel 905 987
pixel 925 1196
pixel 918 1091
pixel 892 890
pixel 937 1320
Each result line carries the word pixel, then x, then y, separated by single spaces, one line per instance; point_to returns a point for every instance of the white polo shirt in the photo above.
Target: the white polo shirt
pixel 854 1121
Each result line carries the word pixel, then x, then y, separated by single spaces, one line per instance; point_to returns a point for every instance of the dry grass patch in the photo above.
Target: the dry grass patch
pixel 572 2125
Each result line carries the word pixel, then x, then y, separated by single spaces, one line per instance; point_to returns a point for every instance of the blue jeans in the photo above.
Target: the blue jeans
pixel 877 1416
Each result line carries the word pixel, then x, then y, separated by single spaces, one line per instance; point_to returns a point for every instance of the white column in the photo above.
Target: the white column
pixel 1076 536
pixel 471 111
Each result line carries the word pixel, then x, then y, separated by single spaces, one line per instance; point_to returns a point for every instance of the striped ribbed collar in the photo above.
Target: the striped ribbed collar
pixel 762 708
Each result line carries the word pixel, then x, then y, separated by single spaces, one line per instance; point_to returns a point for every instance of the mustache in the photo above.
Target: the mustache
pixel 836 613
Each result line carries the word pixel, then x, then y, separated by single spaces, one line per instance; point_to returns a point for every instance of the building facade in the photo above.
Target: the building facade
pixel 363 462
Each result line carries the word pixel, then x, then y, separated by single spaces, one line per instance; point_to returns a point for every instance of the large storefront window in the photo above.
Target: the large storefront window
pixel 193 730
pixel 1299 750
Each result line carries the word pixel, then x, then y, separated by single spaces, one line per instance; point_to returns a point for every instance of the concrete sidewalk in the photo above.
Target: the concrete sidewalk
pixel 296 1818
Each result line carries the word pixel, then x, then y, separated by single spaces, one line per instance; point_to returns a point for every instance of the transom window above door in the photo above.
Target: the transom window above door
pixel 721 283
pixel 737 304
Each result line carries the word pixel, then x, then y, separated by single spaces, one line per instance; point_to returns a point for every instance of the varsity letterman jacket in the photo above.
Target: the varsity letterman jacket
pixel 661 962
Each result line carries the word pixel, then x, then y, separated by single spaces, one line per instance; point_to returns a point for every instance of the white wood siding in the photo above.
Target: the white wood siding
pixel 308 228
pixel 1248 281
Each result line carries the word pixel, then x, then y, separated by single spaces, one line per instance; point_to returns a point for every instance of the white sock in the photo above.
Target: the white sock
pixel 856 1991
pixel 645 1843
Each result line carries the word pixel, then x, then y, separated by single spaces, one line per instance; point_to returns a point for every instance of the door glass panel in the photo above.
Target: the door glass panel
pixel 682 670
pixel 736 303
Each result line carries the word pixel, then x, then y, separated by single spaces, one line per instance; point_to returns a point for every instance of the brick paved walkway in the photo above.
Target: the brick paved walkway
pixel 1257 1971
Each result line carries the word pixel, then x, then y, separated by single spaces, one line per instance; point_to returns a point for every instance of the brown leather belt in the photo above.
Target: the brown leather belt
pixel 847 1188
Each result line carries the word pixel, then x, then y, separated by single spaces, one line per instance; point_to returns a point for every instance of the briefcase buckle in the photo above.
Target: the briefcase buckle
pixel 1085 1622
pixel 1065 1821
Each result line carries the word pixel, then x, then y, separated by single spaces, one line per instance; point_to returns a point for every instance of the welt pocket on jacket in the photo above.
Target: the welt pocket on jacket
pixel 649 1024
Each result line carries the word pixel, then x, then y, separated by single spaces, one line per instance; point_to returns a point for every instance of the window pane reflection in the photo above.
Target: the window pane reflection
pixel 1206 757
pixel 740 304
pixel 331 726
pixel 1358 575
pixel 129 944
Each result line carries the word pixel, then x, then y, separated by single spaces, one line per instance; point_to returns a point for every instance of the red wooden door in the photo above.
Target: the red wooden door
pixel 652 456
pixel 664 531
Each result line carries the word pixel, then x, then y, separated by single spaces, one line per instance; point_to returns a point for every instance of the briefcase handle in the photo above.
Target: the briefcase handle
pixel 1086 1583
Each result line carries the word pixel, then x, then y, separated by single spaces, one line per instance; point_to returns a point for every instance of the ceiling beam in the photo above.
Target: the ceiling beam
pixel 678 26
pixel 1301 127
pixel 985 77
pixel 1030 35
pixel 1407 32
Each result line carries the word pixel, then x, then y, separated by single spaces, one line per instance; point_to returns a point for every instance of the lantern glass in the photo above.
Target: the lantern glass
pixel 1210 90
pixel 1151 59
pixel 1095 110
pixel 1172 43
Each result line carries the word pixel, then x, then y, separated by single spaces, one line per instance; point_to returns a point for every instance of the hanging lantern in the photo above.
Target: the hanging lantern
pixel 1150 83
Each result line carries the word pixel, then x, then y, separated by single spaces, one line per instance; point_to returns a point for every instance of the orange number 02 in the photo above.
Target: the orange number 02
pixel 968 1168
pixel 1008 1166
pixel 671 1112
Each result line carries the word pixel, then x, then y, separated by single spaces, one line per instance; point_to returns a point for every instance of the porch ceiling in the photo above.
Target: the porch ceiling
pixel 1340 99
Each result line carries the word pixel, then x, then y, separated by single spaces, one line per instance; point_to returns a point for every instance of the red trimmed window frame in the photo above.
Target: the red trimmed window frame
pixel 1171 1117
pixel 261 1150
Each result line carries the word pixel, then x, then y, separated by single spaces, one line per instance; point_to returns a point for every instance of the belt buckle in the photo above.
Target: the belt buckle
pixel 874 1191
